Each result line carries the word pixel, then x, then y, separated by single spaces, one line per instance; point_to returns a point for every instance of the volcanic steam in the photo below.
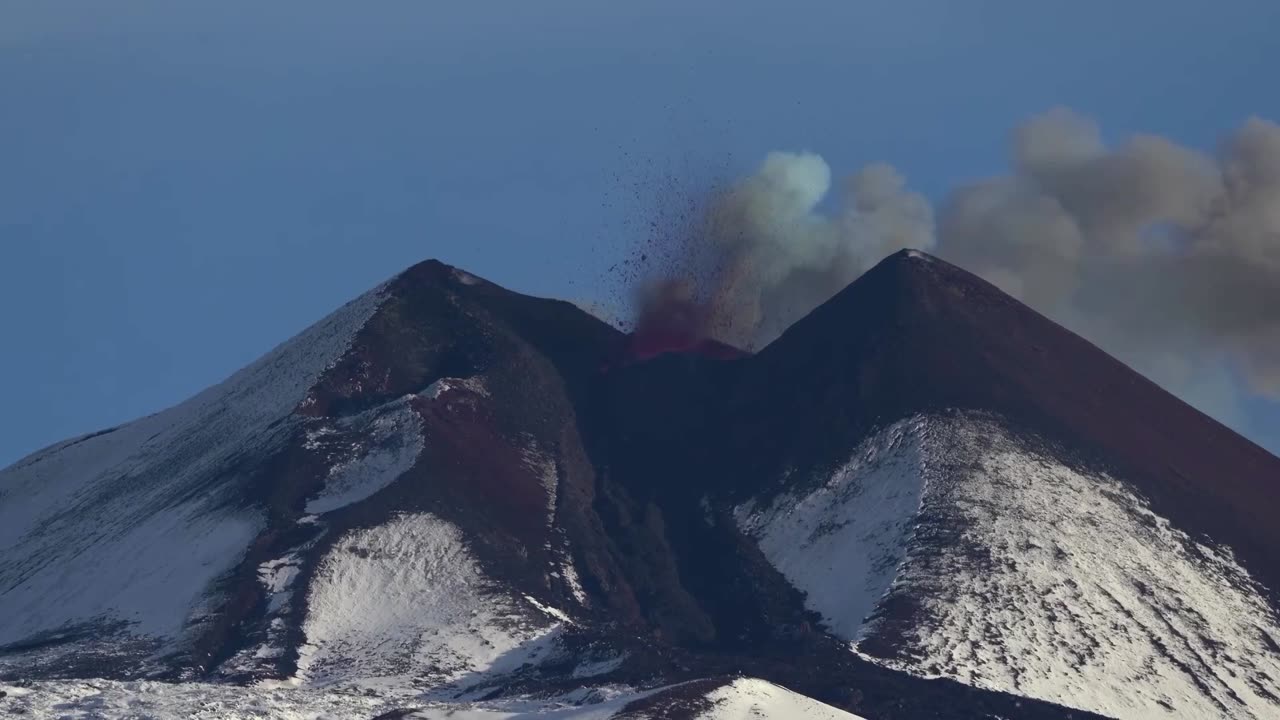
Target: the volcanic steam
pixel 1167 257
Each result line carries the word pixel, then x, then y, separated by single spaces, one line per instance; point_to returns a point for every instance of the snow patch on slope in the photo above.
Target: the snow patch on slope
pixel 749 699
pixel 88 528
pixel 842 543
pixel 101 699
pixel 407 599
pixel 594 668
pixel 572 580
pixel 543 465
pixel 466 278
pixel 277 577
pixel 445 385
pixel 1032 577
pixel 387 442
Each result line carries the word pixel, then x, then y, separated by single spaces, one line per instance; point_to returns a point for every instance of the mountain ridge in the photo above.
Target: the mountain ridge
pixel 667 520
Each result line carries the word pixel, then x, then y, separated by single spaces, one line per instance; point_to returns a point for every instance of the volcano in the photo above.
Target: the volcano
pixel 924 500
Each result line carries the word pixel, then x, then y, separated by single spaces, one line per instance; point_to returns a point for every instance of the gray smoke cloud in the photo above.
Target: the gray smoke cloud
pixel 779 256
pixel 1165 256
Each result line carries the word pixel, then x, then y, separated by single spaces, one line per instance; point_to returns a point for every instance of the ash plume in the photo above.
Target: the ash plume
pixel 1166 256
pixel 764 255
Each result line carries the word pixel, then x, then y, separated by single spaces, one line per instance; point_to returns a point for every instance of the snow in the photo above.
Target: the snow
pixel 599 667
pixel 388 442
pixel 572 579
pixel 749 698
pixel 1033 577
pixel 98 699
pixel 604 710
pixel 544 466
pixel 127 530
pixel 549 611
pixel 438 388
pixel 466 278
pixel 407 599
pixel 742 699
pixel 842 543
pixel 277 577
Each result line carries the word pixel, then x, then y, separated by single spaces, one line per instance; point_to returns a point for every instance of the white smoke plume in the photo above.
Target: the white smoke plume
pixel 1167 257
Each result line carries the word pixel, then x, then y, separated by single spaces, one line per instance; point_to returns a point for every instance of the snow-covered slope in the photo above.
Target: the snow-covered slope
pixel 354 507
pixel 842 543
pixel 742 699
pixel 407 599
pixel 115 541
pixel 749 698
pixel 950 547
pixel 365 453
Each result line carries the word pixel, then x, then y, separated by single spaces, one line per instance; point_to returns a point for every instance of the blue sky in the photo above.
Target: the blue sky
pixel 184 186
